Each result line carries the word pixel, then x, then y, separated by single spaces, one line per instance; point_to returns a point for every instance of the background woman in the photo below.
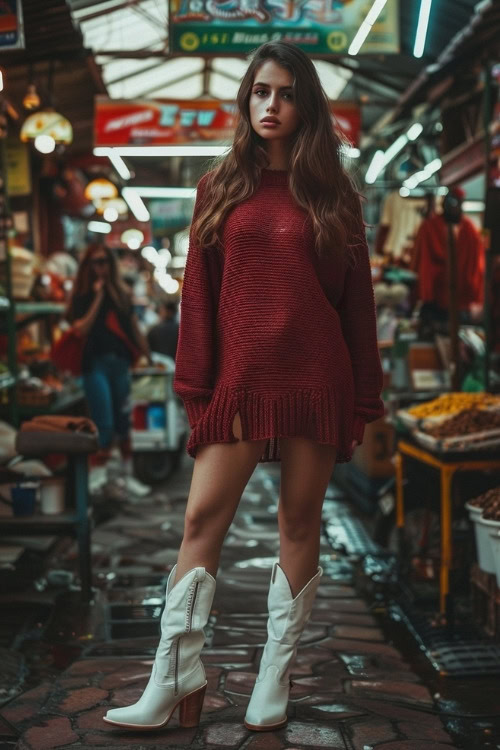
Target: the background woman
pixel 277 360
pixel 100 309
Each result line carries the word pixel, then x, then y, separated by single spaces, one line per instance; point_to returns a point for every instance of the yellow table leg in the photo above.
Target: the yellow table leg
pixel 447 473
pixel 400 504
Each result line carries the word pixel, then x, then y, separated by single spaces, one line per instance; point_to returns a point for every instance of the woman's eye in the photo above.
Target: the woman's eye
pixel 290 96
pixel 260 91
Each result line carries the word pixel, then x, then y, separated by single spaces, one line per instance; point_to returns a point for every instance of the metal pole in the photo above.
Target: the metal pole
pixel 453 308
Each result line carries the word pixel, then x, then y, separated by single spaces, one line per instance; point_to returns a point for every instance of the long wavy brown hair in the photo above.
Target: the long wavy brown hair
pixel 85 278
pixel 318 180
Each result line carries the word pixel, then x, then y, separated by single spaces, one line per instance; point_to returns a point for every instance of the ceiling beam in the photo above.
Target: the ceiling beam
pixel 107 11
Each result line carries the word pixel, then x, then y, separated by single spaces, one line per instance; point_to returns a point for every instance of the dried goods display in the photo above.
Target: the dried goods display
pixel 451 403
pixel 465 422
pixel 483 501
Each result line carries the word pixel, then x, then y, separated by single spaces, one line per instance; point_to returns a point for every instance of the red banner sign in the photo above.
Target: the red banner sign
pixel 176 122
pixel 162 123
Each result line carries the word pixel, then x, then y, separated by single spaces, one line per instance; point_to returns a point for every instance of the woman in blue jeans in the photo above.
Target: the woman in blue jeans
pixel 101 310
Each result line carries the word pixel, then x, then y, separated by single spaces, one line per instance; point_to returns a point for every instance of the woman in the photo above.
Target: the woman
pixel 277 360
pixel 100 310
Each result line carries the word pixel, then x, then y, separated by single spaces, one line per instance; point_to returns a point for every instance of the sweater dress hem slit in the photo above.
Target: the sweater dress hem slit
pixel 306 412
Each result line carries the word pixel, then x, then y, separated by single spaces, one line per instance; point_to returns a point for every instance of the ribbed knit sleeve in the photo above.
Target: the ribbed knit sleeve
pixel 357 314
pixel 196 350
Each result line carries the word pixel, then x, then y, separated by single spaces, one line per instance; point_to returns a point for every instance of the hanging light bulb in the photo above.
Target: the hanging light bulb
pixel 45 144
pixel 110 213
pixel 31 99
pixel 100 189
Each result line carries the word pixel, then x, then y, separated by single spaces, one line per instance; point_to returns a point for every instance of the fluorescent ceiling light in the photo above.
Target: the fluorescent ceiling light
pixel 366 26
pixel 164 150
pixel 116 160
pixel 136 204
pixel 404 192
pixel 101 227
pixel 375 167
pixel 393 150
pixel 433 166
pixel 415 130
pixel 423 24
pixel 165 192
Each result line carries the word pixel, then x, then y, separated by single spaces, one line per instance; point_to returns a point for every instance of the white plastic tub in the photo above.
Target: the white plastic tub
pixel 484 548
pixel 495 551
pixel 474 514
pixel 52 493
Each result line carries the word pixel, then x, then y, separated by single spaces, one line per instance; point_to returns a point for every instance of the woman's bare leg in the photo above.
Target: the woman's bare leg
pixel 306 469
pixel 221 473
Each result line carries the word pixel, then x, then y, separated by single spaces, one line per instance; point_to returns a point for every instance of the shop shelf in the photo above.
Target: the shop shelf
pixel 40 521
pixel 63 402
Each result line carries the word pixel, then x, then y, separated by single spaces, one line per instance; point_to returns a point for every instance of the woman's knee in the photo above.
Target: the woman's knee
pixel 202 521
pixel 298 526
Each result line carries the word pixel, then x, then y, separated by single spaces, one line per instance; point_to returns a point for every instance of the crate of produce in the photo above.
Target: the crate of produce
pixel 471 429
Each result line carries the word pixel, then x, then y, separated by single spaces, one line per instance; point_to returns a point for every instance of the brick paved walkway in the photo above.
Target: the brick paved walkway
pixel 351 689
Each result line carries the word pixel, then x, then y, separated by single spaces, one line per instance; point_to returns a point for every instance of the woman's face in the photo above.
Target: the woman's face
pixel 272 97
pixel 99 263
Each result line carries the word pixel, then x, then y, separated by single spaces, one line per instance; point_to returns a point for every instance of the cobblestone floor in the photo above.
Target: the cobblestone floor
pixel 352 690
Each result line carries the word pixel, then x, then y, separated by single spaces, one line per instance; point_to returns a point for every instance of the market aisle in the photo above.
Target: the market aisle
pixel 352 690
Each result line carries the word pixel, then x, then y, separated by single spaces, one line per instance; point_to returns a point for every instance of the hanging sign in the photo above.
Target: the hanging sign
pixel 161 122
pixel 317 26
pixel 168 122
pixel 11 25
pixel 347 118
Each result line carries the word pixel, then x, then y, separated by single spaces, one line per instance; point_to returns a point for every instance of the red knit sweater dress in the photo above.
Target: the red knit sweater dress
pixel 269 330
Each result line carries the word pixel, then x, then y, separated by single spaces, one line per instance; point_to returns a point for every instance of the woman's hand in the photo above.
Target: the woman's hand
pixel 98 286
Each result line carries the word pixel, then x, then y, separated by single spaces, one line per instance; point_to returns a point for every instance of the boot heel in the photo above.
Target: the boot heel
pixel 190 708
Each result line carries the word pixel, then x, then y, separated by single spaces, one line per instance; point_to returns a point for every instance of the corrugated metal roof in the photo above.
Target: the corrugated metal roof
pixel 140 27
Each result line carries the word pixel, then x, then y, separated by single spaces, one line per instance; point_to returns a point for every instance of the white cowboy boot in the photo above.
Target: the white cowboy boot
pixel 287 618
pixel 178 676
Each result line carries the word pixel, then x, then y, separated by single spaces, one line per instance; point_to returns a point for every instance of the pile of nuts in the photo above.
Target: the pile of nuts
pixel 489 501
pixel 451 403
pixel 467 422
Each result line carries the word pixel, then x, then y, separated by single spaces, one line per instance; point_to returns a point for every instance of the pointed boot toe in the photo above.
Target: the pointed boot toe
pixel 266 710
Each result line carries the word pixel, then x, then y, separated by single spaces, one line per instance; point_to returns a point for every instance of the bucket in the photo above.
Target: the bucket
pixel 52 493
pixel 484 548
pixel 475 513
pixel 23 498
pixel 495 551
